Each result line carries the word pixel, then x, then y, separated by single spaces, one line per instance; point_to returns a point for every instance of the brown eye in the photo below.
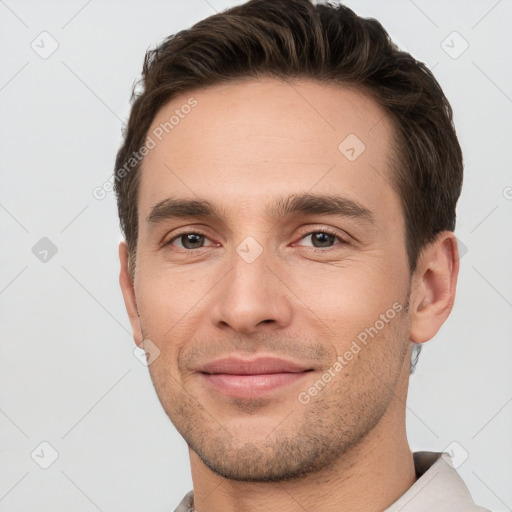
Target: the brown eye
pixel 321 239
pixel 192 240
pixel 189 240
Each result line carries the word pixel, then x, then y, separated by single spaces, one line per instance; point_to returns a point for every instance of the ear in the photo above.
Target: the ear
pixel 129 294
pixel 433 287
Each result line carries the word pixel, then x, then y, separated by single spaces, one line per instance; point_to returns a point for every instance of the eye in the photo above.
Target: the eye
pixel 193 240
pixel 189 241
pixel 322 238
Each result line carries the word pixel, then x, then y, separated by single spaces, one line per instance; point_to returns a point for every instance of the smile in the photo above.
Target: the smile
pixel 249 379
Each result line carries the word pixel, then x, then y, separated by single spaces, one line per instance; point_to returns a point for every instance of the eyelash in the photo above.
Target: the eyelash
pixel 326 231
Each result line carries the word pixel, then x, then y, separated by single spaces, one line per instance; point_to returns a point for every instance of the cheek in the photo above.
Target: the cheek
pixel 349 299
pixel 170 298
pixel 172 306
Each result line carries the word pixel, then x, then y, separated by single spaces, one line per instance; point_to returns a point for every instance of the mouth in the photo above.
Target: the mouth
pixel 240 378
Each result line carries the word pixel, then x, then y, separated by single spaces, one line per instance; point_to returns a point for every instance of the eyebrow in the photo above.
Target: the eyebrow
pixel 305 204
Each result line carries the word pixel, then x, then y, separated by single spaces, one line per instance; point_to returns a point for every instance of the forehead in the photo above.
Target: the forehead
pixel 251 139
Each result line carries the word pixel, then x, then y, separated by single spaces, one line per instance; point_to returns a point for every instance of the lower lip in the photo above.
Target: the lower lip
pixel 251 386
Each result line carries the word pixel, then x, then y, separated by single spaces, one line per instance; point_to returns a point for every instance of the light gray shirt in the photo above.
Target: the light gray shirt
pixel 438 488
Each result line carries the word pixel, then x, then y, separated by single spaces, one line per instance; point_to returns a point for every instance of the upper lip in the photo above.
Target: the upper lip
pixel 259 366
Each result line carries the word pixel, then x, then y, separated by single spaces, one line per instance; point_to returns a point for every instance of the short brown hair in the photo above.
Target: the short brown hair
pixel 294 39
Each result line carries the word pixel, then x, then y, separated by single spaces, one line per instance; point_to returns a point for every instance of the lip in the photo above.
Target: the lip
pixel 241 378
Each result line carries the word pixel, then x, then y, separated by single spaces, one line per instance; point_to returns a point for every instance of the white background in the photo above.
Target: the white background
pixel 68 375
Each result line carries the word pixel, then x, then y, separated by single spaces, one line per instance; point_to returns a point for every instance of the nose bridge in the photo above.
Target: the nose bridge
pixel 251 295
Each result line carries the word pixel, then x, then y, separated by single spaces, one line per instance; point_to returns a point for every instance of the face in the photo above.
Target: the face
pixel 272 274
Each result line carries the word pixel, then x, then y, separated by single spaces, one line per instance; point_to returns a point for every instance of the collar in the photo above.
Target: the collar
pixel 438 487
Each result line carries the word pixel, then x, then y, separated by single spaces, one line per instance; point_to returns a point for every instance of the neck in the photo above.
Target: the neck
pixel 368 477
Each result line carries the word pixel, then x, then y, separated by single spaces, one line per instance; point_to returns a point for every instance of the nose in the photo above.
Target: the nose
pixel 252 296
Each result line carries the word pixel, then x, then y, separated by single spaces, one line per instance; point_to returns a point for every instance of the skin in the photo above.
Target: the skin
pixel 244 145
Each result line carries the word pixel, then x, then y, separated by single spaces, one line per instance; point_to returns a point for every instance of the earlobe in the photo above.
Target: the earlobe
pixel 129 294
pixel 434 286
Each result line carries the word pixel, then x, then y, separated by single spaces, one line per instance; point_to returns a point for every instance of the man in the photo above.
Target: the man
pixel 287 189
